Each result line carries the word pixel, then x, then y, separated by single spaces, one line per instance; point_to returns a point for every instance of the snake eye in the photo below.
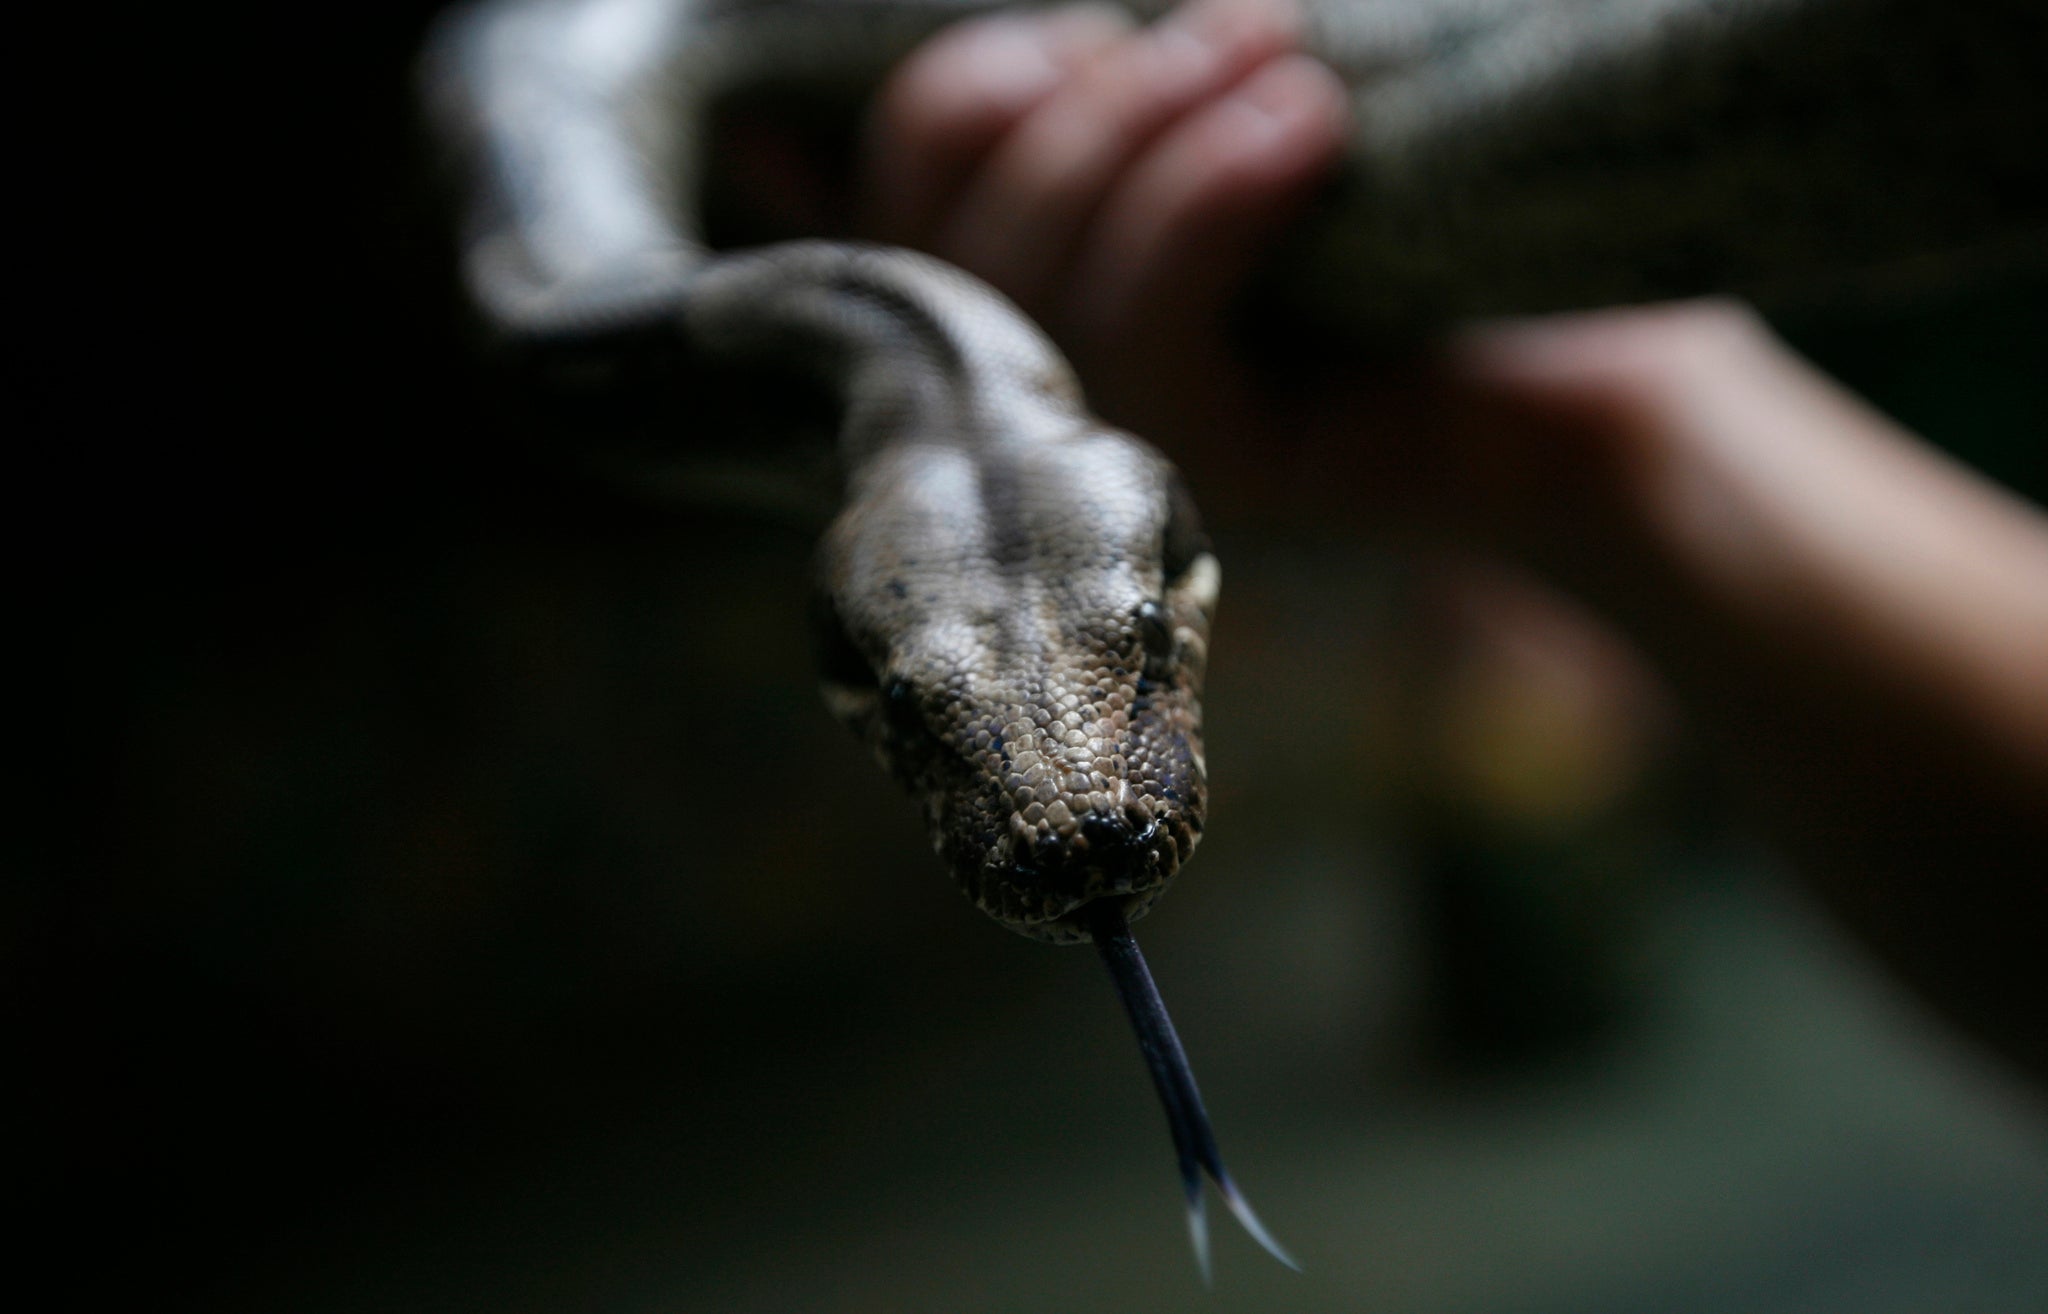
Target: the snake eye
pixel 1155 633
pixel 900 706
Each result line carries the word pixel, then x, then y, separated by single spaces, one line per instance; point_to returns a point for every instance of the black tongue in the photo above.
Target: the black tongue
pixel 1193 1139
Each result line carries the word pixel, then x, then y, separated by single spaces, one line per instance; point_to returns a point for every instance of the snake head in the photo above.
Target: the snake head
pixel 1019 631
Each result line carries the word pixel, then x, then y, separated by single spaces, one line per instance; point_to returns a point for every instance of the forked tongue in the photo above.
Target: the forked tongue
pixel 1193 1140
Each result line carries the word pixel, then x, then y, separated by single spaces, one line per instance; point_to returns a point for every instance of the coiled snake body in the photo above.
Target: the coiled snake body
pixel 1015 598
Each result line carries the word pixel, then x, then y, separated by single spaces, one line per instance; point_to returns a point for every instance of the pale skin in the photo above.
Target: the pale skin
pixel 1859 623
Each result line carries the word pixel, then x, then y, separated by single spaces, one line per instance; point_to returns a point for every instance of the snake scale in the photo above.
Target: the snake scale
pixel 1014 600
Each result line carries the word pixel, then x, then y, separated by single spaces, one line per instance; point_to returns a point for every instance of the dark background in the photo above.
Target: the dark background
pixel 438 886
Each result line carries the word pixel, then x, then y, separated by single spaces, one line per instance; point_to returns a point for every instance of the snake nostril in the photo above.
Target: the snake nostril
pixel 1105 853
pixel 1104 835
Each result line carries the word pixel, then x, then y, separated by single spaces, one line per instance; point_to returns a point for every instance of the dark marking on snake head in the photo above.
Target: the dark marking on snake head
pixel 1182 540
pixel 1105 834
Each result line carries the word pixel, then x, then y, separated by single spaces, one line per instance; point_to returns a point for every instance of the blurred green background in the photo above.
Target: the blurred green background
pixel 441 888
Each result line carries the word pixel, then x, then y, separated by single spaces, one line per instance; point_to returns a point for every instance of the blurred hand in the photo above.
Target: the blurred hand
pixel 1117 182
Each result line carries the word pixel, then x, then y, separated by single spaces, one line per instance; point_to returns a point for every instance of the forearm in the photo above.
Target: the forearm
pixel 1859 624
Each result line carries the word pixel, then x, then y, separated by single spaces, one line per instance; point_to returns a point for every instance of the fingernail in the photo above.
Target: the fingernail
pixel 1014 60
pixel 1290 96
pixel 1089 20
pixel 1183 58
pixel 1232 25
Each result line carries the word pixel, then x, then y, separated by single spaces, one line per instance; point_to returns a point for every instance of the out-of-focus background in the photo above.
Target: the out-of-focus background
pixel 441 889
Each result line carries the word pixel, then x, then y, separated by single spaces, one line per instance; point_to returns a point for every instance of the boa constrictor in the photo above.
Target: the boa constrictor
pixel 1015 598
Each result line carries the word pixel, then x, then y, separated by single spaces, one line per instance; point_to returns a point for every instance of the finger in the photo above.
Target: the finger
pixel 1185 226
pixel 948 104
pixel 1619 371
pixel 1020 218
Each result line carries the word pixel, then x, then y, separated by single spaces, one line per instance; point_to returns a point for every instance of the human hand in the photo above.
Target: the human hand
pixel 1121 183
pixel 1118 183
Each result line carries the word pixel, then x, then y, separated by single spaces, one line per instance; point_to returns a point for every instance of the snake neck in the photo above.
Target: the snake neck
pixel 917 352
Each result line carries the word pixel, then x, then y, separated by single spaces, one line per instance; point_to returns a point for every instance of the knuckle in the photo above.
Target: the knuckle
pixel 968 85
pixel 931 113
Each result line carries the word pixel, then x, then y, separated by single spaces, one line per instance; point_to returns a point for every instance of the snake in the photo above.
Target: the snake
pixel 1015 598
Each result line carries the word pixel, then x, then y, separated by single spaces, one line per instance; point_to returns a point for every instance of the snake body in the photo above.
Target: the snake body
pixel 1015 598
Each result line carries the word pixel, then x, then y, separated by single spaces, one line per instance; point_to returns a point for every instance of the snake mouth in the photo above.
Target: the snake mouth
pixel 1064 918
pixel 1049 891
pixel 1083 923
